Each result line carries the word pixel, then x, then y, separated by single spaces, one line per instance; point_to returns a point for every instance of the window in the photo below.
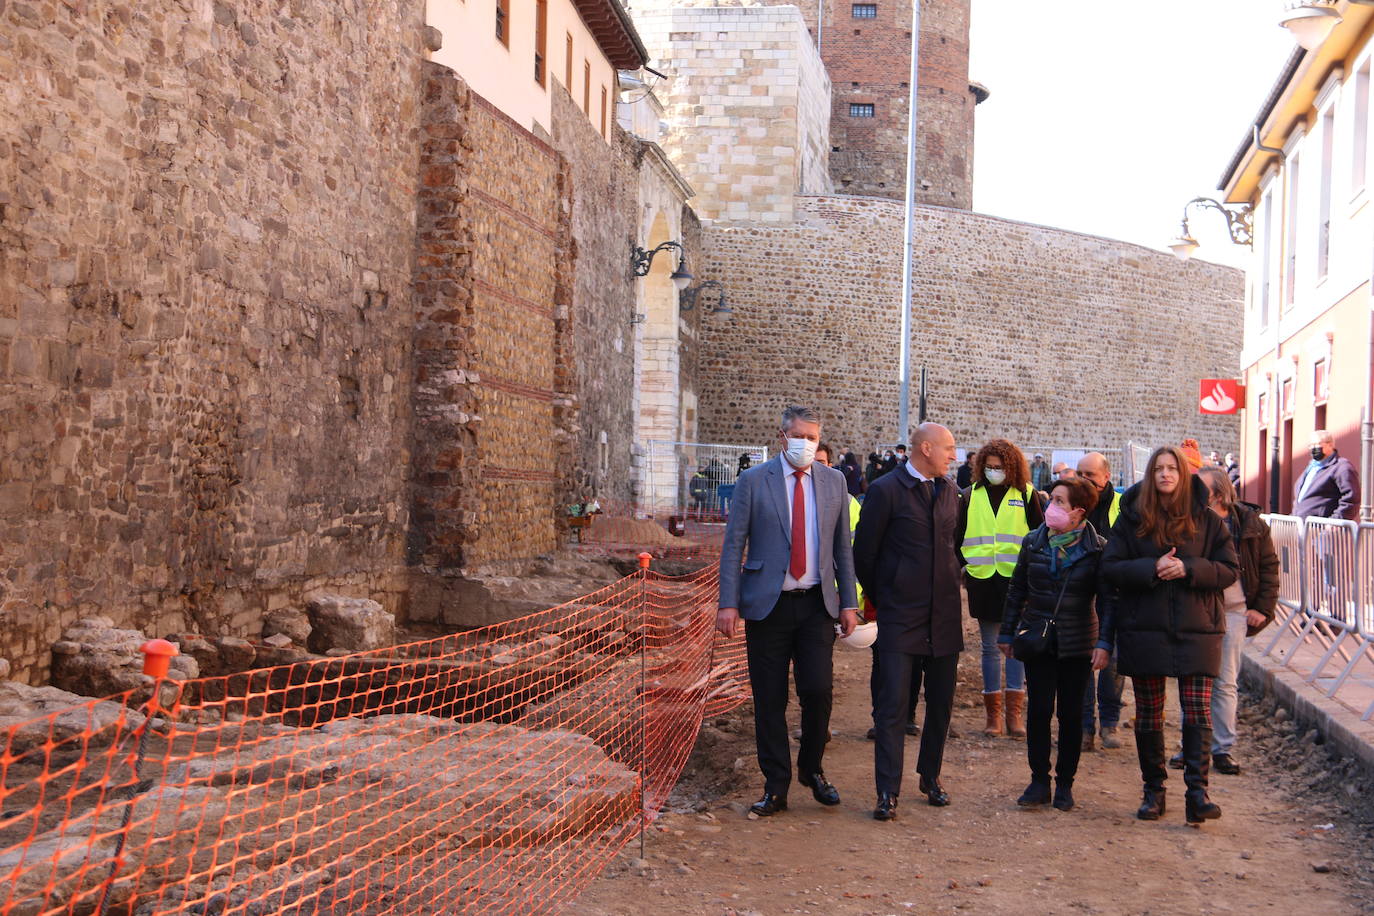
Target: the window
pixel 503 22
pixel 603 112
pixel 864 110
pixel 1319 390
pixel 1290 256
pixel 586 87
pixel 1324 202
pixel 567 76
pixel 1287 395
pixel 865 10
pixel 1262 408
pixel 1360 130
pixel 541 28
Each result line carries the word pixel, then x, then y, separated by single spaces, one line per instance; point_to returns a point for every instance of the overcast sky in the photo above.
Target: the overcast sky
pixel 1107 118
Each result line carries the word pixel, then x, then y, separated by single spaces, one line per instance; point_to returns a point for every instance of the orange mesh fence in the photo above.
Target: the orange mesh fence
pixel 493 771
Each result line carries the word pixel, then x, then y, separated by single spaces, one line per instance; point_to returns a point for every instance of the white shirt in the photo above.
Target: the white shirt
pixel 813 530
pixel 911 469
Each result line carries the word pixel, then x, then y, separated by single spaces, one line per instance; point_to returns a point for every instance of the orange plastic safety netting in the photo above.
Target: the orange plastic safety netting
pixel 494 771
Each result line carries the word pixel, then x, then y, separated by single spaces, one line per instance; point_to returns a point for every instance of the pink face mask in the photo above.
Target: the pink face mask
pixel 1058 518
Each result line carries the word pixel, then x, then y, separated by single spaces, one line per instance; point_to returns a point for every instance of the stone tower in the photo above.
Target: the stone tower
pixel 866 47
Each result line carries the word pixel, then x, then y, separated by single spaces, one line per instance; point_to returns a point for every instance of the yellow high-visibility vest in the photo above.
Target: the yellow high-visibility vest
pixel 992 540
pixel 1113 512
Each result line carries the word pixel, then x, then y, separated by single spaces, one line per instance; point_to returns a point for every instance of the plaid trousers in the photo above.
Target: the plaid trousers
pixel 1194 694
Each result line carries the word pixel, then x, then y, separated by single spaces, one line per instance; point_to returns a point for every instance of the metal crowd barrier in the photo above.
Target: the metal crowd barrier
pixel 1326 595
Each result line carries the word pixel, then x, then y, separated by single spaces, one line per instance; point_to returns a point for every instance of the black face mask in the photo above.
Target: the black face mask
pixel 1318 453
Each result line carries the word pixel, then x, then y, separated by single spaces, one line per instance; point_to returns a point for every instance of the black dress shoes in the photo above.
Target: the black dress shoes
pixel 934 792
pixel 912 729
pixel 1223 763
pixel 820 787
pixel 887 807
pixel 769 805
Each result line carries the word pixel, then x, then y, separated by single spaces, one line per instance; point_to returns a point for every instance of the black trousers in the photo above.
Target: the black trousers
pixel 875 676
pixel 800 628
pixel 1055 683
pixel 901 675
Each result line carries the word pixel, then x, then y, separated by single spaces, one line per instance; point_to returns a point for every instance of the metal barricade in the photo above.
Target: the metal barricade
pixel 1328 587
pixel 1287 533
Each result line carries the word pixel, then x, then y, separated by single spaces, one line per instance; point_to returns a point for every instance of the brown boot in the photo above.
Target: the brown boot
pixel 992 704
pixel 1016 713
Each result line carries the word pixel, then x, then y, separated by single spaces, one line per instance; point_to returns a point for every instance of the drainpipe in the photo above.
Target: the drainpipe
pixel 1276 406
pixel 1367 429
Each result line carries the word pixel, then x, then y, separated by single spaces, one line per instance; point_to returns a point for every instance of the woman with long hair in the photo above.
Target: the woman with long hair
pixel 998 510
pixel 1170 557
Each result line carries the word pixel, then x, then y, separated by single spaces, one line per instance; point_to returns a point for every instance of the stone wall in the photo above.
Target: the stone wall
pixel 742 102
pixel 1047 337
pixel 206 248
pixel 494 285
pixel 603 182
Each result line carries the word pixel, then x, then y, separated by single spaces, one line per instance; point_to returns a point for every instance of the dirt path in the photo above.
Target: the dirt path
pixel 984 854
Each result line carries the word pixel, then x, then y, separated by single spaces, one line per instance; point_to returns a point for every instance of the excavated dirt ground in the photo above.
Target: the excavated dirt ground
pixel 1296 835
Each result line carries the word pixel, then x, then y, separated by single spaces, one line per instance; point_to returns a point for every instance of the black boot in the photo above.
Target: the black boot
pixel 1063 794
pixel 1037 794
pixel 1149 748
pixel 1197 761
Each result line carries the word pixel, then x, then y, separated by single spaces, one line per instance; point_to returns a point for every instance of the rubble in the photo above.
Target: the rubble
pixel 32 709
pixel 292 623
pixel 353 624
pixel 96 659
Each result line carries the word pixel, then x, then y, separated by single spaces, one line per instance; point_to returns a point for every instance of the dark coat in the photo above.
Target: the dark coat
pixel 1334 493
pixel 1034 592
pixel 1168 628
pixel 987 598
pixel 905 558
pixel 1259 564
pixel 1098 518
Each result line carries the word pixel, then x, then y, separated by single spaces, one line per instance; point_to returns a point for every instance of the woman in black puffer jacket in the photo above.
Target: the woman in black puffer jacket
pixel 1170 557
pixel 1057 577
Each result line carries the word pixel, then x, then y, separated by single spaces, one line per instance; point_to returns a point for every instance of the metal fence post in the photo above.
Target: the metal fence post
pixel 644 560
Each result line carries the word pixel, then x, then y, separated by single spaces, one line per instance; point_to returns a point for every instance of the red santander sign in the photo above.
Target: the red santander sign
pixel 1220 396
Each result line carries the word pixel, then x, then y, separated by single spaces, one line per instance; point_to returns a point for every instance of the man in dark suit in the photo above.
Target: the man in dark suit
pixel 790 516
pixel 1330 486
pixel 905 558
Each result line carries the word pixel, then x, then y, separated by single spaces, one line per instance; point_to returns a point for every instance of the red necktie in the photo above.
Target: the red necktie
pixel 798 565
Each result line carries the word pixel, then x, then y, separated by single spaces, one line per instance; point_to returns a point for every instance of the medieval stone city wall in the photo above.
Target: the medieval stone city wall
pixel 868 60
pixel 1047 337
pixel 744 102
pixel 206 248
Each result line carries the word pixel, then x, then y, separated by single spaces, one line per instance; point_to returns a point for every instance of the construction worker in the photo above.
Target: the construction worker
pixel 998 510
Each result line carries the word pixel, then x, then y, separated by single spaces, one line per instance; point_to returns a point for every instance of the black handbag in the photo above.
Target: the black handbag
pixel 1038 640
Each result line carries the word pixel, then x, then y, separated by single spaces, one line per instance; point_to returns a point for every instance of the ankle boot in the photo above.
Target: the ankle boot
pixel 1197 749
pixel 1149 748
pixel 1063 794
pixel 1016 713
pixel 992 705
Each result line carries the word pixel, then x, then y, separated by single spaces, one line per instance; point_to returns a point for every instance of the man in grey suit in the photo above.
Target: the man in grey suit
pixel 790 516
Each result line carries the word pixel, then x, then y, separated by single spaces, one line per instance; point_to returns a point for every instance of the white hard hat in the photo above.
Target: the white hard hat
pixel 862 637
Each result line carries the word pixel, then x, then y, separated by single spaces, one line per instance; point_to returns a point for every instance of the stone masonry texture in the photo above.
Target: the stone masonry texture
pixel 1046 337
pixel 206 247
pixel 493 274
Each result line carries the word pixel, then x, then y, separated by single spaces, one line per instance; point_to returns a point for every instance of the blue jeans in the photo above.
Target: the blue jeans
pixel 992 661
pixel 1103 704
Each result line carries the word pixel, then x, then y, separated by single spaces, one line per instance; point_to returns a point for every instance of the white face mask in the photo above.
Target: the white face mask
pixel 801 452
pixel 995 476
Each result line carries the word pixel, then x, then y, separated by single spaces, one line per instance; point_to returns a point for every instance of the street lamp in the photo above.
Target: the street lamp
pixel 1237 223
pixel 688 298
pixel 1312 21
pixel 641 260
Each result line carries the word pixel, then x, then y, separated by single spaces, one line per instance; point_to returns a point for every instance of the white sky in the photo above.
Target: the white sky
pixel 1107 118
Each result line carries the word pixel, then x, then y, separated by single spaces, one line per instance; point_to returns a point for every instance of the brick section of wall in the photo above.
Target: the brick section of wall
pixel 205 263
pixel 492 375
pixel 869 62
pixel 1044 336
